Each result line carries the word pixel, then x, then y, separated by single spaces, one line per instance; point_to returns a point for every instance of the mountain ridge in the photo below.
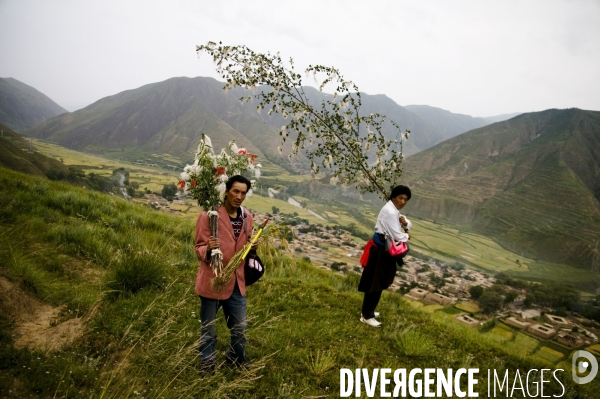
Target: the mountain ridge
pixel 501 179
pixel 169 116
pixel 22 106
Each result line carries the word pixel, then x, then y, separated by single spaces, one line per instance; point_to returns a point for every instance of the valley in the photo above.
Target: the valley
pixel 444 241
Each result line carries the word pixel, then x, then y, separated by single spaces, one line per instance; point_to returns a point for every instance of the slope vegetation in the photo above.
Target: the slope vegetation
pixel 532 182
pixel 15 154
pixel 121 277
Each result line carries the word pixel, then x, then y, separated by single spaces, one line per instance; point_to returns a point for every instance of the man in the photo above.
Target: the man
pixel 380 271
pixel 235 229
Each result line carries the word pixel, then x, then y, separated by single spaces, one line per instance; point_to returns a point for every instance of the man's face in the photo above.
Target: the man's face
pixel 399 201
pixel 236 194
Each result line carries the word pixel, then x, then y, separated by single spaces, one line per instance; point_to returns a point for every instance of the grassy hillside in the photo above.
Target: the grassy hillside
pixel 14 154
pixel 22 106
pixel 109 286
pixel 531 182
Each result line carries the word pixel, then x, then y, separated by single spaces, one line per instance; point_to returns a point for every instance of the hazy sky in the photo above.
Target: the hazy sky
pixel 480 58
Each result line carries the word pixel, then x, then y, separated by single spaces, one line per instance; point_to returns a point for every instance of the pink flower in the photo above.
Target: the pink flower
pixel 242 151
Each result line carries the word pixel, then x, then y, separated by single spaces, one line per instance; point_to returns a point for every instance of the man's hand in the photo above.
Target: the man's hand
pixel 256 244
pixel 213 243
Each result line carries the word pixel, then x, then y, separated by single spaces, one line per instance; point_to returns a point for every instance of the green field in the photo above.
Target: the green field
pixel 521 344
pixel 500 333
pixel 549 355
pixel 469 307
pixel 475 251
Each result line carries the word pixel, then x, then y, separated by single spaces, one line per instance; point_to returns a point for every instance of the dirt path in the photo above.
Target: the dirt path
pixel 37 325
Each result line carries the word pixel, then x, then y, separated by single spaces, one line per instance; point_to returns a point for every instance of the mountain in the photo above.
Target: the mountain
pixel 160 121
pixel 500 118
pixel 22 106
pixel 446 122
pixel 531 182
pixel 18 154
pixel 165 120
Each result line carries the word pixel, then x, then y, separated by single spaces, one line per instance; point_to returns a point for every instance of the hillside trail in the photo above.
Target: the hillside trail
pixel 37 325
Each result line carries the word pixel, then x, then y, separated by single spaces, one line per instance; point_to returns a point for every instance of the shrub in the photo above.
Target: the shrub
pixel 136 271
pixel 414 344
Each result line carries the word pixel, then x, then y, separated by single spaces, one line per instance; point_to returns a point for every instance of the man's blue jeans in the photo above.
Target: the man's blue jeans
pixel 235 314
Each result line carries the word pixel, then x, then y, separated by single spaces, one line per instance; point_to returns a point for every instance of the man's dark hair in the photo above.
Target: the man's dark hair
pixel 237 179
pixel 399 190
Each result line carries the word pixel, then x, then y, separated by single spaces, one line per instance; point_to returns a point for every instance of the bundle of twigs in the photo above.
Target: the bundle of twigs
pixel 268 233
pixel 216 258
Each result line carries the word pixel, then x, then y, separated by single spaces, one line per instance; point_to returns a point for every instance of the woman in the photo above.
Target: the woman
pixel 380 271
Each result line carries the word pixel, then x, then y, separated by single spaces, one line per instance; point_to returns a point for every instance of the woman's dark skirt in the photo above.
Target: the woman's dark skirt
pixel 380 271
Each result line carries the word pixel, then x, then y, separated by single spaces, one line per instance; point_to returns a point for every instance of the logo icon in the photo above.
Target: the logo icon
pixel 590 364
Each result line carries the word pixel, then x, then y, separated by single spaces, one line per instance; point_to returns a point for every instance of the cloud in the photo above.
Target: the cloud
pixel 477 58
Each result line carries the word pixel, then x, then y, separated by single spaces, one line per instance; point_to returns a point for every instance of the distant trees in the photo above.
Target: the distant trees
pixel 490 301
pixel 476 291
pixel 169 191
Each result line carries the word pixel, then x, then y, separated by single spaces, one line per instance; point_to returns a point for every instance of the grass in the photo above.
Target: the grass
pixel 549 355
pixel 65 246
pixel 500 333
pixel 469 307
pixel 521 344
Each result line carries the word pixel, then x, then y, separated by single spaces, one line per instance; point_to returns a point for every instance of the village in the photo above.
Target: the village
pixel 428 282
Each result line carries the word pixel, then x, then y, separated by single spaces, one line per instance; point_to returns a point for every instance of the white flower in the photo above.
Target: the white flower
pixel 221 189
pixel 184 176
pixel 233 147
pixel 249 193
pixel 257 173
pixel 207 143
pixel 223 178
pixel 259 165
pixel 333 180
pixel 280 149
pixel 367 146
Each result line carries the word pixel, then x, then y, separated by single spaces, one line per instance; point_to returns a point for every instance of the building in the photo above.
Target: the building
pixel 439 299
pixel 417 293
pixel 570 339
pixel 543 331
pixel 520 324
pixel 558 321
